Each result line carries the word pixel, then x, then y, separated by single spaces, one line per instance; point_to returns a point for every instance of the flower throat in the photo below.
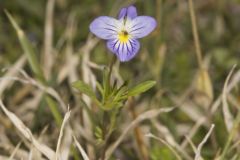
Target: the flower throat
pixel 123 36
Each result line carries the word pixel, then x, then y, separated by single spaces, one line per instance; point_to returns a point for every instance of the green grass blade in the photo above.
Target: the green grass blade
pixel 35 66
pixel 53 107
pixel 27 48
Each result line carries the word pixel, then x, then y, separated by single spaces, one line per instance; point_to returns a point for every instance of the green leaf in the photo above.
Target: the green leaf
pixel 98 134
pixel 121 94
pixel 100 88
pixel 143 87
pixel 84 88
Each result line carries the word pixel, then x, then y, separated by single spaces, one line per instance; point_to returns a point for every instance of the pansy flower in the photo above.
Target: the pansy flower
pixel 122 34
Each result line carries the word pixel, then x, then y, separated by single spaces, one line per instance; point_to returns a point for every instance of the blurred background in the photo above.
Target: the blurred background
pixel 66 51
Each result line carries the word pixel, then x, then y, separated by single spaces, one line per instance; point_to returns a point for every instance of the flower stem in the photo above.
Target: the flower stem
pixel 105 116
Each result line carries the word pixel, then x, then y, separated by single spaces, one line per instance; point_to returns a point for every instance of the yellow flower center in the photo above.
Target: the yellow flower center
pixel 123 36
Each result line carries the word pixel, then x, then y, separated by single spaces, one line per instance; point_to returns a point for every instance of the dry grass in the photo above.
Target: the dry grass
pixel 203 124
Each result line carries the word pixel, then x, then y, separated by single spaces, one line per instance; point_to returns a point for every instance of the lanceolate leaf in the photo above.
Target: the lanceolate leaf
pixel 143 87
pixel 85 88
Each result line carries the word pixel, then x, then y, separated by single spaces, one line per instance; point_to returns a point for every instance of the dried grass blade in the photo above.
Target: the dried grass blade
pixel 66 117
pixel 84 155
pixel 2 157
pixel 48 58
pixel 226 113
pixel 166 143
pixel 15 150
pixel 199 148
pixel 144 116
pixel 12 72
pixel 48 152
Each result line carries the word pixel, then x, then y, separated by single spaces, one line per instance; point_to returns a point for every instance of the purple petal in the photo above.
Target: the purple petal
pixel 130 12
pixel 105 27
pixel 142 25
pixel 124 51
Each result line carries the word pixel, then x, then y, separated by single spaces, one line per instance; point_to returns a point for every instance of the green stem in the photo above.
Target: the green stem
pixel 108 121
pixel 108 131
